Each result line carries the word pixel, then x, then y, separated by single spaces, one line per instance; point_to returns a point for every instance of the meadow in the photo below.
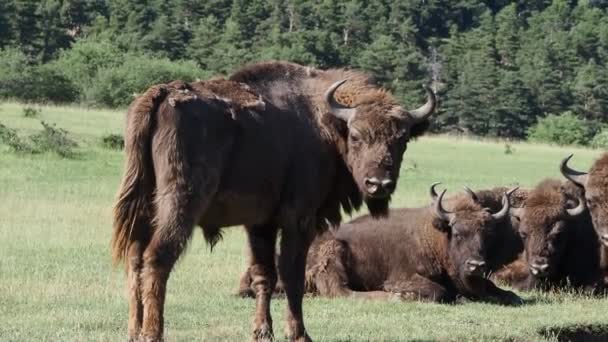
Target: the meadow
pixel 57 282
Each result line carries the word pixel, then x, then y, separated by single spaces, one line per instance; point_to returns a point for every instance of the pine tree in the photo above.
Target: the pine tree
pixel 7 12
pixel 591 92
pixel 27 29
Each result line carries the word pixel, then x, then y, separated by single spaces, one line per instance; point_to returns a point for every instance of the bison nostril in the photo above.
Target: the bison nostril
pixel 474 265
pixel 388 184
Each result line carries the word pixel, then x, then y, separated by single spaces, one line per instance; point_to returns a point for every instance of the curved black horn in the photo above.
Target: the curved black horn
pixel 422 113
pixel 579 209
pixel 433 191
pixel 440 212
pixel 338 110
pixel 577 177
pixel 506 205
pixel 471 193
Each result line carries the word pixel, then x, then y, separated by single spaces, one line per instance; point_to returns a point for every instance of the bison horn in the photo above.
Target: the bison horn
pixel 433 191
pixel 338 110
pixel 471 193
pixel 506 205
pixel 577 177
pixel 580 208
pixel 440 212
pixel 422 113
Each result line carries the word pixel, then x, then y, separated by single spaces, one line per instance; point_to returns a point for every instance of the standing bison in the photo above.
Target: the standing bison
pixel 279 146
pixel 416 253
pixel 560 245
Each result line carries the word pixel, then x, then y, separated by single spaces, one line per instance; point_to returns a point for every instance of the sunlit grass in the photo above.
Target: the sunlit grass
pixel 57 283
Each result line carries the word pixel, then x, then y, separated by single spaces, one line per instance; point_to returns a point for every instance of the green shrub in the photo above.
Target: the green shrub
pixel 113 142
pixel 9 137
pixel 31 112
pixel 81 63
pixel 26 82
pixel 53 139
pixel 600 140
pixel 563 129
pixel 116 86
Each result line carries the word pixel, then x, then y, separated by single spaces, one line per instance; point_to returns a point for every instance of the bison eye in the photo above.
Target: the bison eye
pixel 523 235
pixel 355 137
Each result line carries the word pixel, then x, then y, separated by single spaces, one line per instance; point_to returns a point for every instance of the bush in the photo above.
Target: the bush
pixel 53 139
pixel 113 142
pixel 81 63
pixel 23 81
pixel 600 140
pixel 563 129
pixel 31 112
pixel 116 86
pixel 9 137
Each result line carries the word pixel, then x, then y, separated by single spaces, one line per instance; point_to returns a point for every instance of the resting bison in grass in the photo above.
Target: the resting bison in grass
pixel 595 185
pixel 560 245
pixel 420 253
pixel 278 146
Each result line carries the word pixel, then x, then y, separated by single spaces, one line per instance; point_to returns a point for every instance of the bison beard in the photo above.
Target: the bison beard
pixel 378 207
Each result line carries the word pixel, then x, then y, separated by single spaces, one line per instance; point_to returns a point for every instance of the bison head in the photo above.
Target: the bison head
pixel 596 192
pixel 469 230
pixel 544 226
pixel 378 133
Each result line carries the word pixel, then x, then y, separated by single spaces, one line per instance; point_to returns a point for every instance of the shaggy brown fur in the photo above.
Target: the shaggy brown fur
pixel 412 254
pixel 565 246
pixel 595 185
pixel 262 151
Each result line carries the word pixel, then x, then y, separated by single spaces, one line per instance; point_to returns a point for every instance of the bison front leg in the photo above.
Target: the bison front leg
pixel 418 287
pixel 295 242
pixel 504 297
pixel 263 275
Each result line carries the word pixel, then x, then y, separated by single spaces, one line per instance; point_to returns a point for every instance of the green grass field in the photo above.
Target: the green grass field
pixel 57 282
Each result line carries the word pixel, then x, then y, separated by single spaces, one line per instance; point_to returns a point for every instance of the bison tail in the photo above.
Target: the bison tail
pixel 132 210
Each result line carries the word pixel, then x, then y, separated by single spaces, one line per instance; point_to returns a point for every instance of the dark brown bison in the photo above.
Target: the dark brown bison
pixel 560 245
pixel 595 185
pixel 278 146
pixel 415 253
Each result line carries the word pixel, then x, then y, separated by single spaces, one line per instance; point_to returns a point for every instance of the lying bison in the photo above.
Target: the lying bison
pixel 279 146
pixel 421 253
pixel 595 185
pixel 561 247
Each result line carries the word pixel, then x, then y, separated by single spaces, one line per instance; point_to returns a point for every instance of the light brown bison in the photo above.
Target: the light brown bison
pixel 415 253
pixel 595 185
pixel 560 245
pixel 278 146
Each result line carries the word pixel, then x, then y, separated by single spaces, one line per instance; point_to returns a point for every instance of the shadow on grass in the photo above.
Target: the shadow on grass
pixel 577 333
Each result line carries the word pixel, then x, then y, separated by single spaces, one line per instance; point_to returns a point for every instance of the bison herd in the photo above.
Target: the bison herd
pixel 283 147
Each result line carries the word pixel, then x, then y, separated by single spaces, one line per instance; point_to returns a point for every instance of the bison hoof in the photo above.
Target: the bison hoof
pixel 245 293
pixel 510 298
pixel 304 338
pixel 263 333
pixel 133 338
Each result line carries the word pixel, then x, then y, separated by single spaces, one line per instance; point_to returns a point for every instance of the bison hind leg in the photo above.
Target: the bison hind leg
pixel 326 273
